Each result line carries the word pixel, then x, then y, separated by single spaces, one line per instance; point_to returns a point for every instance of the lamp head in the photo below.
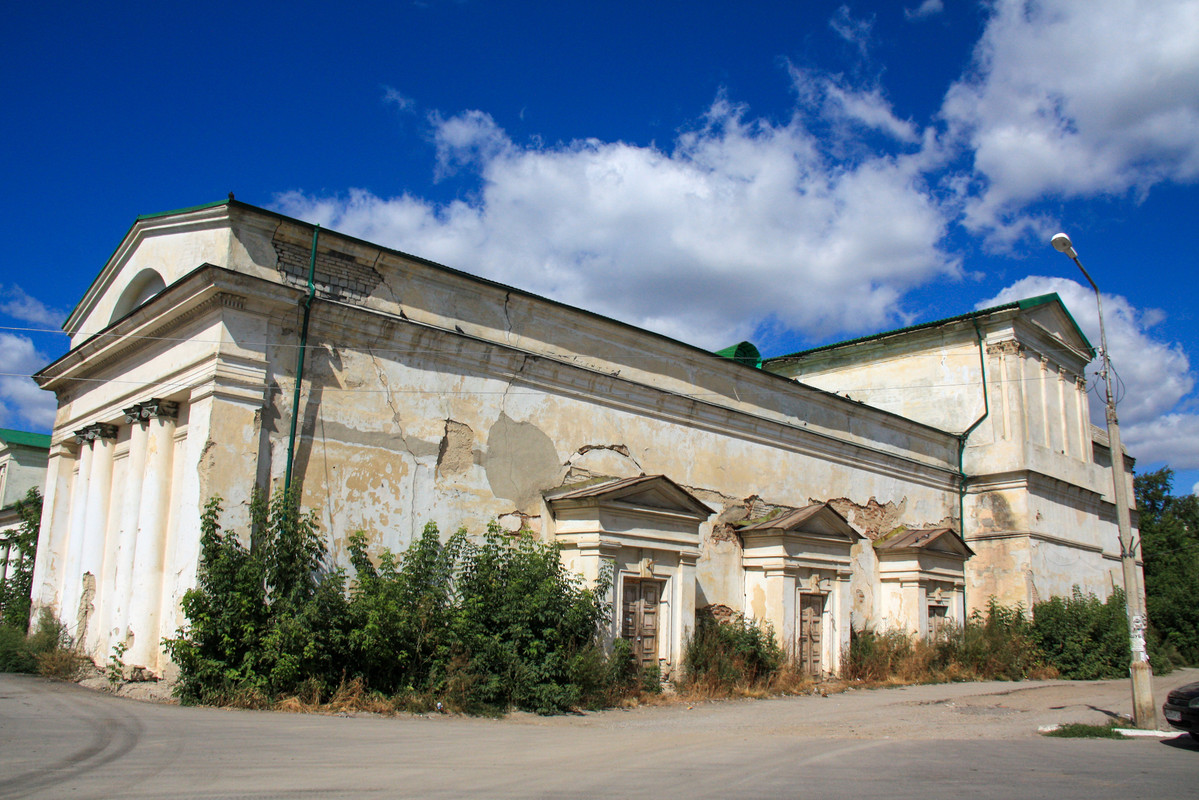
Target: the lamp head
pixel 1061 243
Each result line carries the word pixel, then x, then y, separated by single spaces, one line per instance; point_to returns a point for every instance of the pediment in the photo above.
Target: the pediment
pixel 820 519
pixel 158 251
pixel 1050 314
pixel 651 492
pixel 944 541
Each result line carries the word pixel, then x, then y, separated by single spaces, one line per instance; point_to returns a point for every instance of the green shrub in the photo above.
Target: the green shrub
pixel 723 656
pixel 521 618
pixel 264 620
pixel 478 626
pixel 400 612
pixel 1083 637
pixel 14 655
pixel 993 645
pixel 47 651
pixel 997 645
pixel 877 657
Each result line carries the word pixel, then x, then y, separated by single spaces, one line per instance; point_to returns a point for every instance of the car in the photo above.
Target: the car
pixel 1182 709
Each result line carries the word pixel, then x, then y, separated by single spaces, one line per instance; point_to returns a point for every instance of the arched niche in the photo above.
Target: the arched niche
pixel 145 285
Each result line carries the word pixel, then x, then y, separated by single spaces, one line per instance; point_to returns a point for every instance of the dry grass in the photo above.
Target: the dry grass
pixel 784 681
pixel 896 658
pixel 62 663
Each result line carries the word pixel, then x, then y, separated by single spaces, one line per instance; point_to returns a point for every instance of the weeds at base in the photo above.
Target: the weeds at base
pixel 1081 730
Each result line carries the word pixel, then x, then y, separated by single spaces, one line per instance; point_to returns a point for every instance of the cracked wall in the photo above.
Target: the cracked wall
pixel 430 426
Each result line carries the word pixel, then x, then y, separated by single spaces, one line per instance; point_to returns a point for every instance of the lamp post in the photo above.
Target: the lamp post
pixel 1143 707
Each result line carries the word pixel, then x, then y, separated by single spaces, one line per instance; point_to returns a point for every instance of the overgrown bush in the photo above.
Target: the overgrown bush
pixel 721 657
pixel 1078 637
pixel 1084 637
pixel 47 651
pixel 996 645
pixel 477 626
pixel 878 657
pixel 521 618
pixel 262 619
pixel 993 645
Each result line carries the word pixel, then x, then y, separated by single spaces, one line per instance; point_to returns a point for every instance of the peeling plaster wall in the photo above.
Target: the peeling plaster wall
pixel 429 395
pixel 921 378
pixel 491 444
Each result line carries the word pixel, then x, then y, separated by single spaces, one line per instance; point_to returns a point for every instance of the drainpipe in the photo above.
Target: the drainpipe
pixel 295 397
pixel 962 437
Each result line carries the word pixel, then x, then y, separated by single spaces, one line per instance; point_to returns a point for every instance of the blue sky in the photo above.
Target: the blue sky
pixel 792 173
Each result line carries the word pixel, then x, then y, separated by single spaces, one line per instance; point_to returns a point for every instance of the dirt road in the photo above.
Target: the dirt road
pixel 928 742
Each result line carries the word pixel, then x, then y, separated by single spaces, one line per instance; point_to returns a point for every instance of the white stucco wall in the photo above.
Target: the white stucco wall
pixel 430 395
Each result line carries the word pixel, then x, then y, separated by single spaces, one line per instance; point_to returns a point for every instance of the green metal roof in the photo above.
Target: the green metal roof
pixel 200 207
pixel 743 353
pixel 41 440
pixel 1031 302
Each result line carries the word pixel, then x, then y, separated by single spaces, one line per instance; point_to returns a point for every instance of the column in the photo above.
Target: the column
pixel 95 529
pixel 148 565
pixel 684 611
pixel 55 530
pixel 130 500
pixel 1047 435
pixel 1084 418
pixel 74 549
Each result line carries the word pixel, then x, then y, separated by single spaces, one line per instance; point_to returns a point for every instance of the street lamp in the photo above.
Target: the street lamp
pixel 1144 709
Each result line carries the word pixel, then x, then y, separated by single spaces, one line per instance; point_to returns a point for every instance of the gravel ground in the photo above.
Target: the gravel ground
pixel 938 742
pixel 987 710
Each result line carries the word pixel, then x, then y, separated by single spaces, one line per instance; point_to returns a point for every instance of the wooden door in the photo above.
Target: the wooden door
pixel 936 620
pixel 810 644
pixel 639 625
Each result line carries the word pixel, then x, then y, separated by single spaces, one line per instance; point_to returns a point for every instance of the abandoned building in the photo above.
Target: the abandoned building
pixel 898 480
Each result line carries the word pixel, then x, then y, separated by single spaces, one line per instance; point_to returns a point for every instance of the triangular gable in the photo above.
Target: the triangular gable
pixel 157 251
pixel 820 519
pixel 1049 313
pixel 645 491
pixel 936 540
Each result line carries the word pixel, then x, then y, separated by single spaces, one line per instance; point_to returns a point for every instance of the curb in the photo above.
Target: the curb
pixel 1129 732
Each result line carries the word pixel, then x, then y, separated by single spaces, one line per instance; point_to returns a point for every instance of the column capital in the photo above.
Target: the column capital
pixel 153 407
pixel 1006 347
pixel 98 430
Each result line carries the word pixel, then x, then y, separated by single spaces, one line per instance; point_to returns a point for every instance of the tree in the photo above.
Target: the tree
pixel 15 591
pixel 1170 547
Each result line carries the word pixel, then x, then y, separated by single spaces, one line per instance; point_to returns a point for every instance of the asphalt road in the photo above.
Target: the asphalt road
pixel 956 741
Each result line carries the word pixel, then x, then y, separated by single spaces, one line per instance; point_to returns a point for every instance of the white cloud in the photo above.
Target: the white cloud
pixel 744 223
pixel 855 31
pixel 1155 421
pixel 470 138
pixel 16 303
pixel 928 8
pixel 1073 99
pixel 395 97
pixel 837 102
pixel 1195 489
pixel 22 403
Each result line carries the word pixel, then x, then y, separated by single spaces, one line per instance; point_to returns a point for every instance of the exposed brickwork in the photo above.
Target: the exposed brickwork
pixel 338 275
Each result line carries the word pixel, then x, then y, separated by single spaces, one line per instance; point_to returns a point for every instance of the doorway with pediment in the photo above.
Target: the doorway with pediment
pixel 640 537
